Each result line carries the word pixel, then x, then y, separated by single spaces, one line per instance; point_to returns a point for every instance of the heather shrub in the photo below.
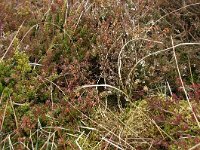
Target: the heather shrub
pixel 53 53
